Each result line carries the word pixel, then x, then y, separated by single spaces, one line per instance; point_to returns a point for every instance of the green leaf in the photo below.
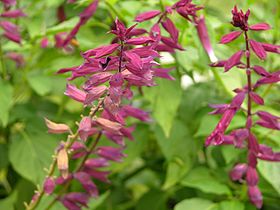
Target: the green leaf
pixel 178 149
pixel 230 153
pixel 6 95
pixel 31 152
pixel 270 171
pixel 200 178
pixel 4 159
pixel 165 99
pixel 42 85
pixel 175 172
pixel 154 200
pixel 231 205
pixel 8 203
pixel 196 204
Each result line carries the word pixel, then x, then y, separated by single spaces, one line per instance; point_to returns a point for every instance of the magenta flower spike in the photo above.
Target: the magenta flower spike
pixel 244 137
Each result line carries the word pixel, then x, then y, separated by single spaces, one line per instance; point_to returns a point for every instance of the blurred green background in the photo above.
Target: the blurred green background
pixel 167 165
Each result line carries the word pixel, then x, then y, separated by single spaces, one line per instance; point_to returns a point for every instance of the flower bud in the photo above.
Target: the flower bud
pixel 255 196
pixel 238 171
pixel 252 177
pixel 62 162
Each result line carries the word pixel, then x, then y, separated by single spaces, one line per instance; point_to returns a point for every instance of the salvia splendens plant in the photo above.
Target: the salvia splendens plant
pixel 244 137
pixel 111 72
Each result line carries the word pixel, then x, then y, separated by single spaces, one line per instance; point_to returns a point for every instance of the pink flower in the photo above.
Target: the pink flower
pixel 111 153
pixel 204 38
pixel 87 183
pixel 75 93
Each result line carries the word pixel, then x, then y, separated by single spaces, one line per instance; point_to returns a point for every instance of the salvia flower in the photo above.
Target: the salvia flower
pixel 244 137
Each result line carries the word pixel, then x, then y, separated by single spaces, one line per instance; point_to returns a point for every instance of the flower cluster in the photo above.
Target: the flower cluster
pixel 168 44
pixel 10 30
pixel 244 137
pixel 111 72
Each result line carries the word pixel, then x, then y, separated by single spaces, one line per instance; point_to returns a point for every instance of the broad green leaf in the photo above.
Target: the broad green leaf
pixel 41 84
pixel 196 204
pixel 178 149
pixel 6 96
pixel 231 205
pixel 165 99
pixel 154 200
pixel 201 178
pixel 30 152
pixel 175 172
pixel 270 171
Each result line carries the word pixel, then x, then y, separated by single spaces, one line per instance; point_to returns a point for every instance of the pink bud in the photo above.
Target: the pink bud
pixel 147 15
pixel 49 185
pixel 108 125
pixel 258 49
pixel 13 14
pixel 111 153
pixel 96 163
pixel 252 177
pixel 230 37
pixel 256 98
pixel 87 183
pixel 106 50
pixel 139 40
pixel 260 71
pixel 238 171
pixel 56 127
pixel 233 60
pixel 255 196
pixel 260 27
pixel 169 26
